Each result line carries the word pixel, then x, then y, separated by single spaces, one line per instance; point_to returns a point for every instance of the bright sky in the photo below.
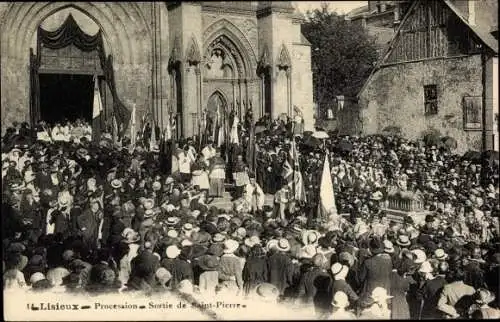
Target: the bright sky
pixel 340 7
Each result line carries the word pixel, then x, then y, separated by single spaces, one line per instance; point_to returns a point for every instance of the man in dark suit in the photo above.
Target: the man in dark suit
pixel 376 270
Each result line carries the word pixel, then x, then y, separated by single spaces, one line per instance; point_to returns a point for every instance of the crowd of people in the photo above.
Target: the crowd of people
pixel 89 217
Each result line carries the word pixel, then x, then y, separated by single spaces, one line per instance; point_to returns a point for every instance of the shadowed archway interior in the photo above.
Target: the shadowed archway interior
pixel 66 97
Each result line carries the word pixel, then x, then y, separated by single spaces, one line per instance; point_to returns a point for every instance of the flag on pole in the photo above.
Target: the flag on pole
pixel 132 127
pixel 326 205
pixel 298 186
pixel 97 112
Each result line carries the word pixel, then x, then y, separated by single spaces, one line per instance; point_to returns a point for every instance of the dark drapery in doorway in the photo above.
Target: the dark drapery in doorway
pixel 71 34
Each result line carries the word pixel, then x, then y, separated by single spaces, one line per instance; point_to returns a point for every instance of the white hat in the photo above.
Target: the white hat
pixel 426 267
pixel 283 245
pixel 388 247
pixel 195 213
pixel 187 227
pixel 308 251
pixel 440 254
pixel 340 299
pixel 156 186
pixel 36 277
pixel 173 251
pixel 380 294
pixel 116 184
pixel 230 246
pixel 338 268
pixel 252 241
pixel 172 233
pixel 186 242
pixel 419 256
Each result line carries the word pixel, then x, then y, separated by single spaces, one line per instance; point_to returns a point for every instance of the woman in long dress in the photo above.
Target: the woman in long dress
pixel 217 175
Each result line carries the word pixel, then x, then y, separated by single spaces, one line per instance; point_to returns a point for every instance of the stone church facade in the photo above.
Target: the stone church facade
pixel 183 59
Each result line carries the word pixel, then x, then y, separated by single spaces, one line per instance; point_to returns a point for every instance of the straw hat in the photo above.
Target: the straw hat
pixel 273 243
pixel 340 299
pixel 250 242
pixel 149 213
pixel 484 296
pixel 186 242
pixel 116 184
pixel 172 221
pixel 230 246
pixel 440 254
pixel 283 245
pixel 379 294
pixel 310 237
pixel 267 291
pixel 426 267
pixel 156 186
pixel 36 277
pixel 338 268
pixel 163 275
pixel 218 238
pixel 403 240
pixel 419 256
pixel 173 251
pixel 388 247
pixel 132 237
pixel 308 252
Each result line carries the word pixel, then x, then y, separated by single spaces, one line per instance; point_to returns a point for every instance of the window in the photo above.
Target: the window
pixel 473 110
pixel 430 99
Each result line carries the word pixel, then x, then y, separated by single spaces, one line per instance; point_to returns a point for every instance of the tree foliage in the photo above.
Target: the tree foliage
pixel 342 53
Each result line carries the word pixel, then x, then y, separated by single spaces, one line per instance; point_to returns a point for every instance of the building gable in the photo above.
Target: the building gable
pixel 431 30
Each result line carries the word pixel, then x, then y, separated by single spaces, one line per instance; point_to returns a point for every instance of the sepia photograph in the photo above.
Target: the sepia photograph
pixel 250 160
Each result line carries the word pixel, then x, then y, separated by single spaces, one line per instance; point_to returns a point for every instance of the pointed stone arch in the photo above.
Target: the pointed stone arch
pixel 283 60
pixel 236 39
pixel 265 59
pixel 193 54
pixel 176 53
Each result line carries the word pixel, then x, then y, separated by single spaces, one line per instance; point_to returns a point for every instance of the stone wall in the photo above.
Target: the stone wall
pixel 394 97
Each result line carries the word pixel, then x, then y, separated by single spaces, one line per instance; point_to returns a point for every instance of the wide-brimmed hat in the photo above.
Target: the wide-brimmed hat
pixel 484 296
pixel 440 254
pixel 208 263
pixel 273 243
pixel 380 294
pixel 308 252
pixel 218 238
pixel 132 237
pixel 172 251
pixel 240 233
pixel 338 268
pixel 116 184
pixel 172 221
pixel 283 245
pixel 340 299
pixel 377 195
pixel 388 247
pixel 156 186
pixel 403 240
pixel 169 180
pixel 267 291
pixel 230 246
pixel 36 277
pixel 148 213
pixel 419 256
pixel 148 203
pixel 17 186
pixel 254 240
pixel 187 227
pixel 426 267
pixel 310 237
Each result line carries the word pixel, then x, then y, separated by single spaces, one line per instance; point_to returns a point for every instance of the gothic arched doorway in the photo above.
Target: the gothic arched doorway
pixel 216 115
pixel 71 56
